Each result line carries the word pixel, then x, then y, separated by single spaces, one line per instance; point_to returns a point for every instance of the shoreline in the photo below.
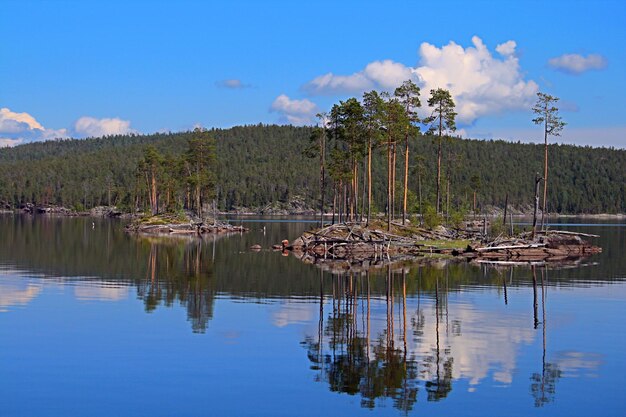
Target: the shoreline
pixel 124 215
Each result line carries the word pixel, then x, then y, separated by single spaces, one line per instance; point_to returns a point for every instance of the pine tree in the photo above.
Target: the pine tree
pixel 548 116
pixel 442 120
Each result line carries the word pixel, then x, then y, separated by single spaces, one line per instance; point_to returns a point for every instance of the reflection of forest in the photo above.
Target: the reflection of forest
pixel 392 346
pixel 384 334
pixel 78 248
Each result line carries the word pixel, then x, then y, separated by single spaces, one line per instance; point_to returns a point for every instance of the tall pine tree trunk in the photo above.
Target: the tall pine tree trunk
pixel 545 175
pixel 153 194
pixel 322 176
pixel 364 187
pixel 198 202
pixel 406 176
pixel 393 183
pixel 369 181
pixel 388 183
pixel 334 202
pixel 439 165
pixel 356 190
pixel 419 189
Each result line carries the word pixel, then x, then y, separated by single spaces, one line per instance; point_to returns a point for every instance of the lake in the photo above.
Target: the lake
pixel 94 322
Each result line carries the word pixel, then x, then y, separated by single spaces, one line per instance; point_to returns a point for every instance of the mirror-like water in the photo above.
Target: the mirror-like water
pixel 95 322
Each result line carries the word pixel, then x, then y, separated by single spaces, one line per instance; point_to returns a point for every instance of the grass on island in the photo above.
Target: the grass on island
pixel 446 244
pixel 163 219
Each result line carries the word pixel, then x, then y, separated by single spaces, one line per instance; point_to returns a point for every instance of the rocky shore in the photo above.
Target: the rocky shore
pixel 172 225
pixel 355 242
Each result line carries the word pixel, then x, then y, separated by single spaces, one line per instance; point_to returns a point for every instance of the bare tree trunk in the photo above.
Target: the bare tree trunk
pixel 363 197
pixel 448 200
pixel 153 194
pixel 334 202
pixel 369 181
pixel 322 176
pixel 198 202
pixel 506 204
pixel 406 176
pixel 419 189
pixel 474 203
pixel 388 183
pixel 448 181
pixel 439 163
pixel 537 180
pixel 355 193
pixel 393 183
pixel 340 201
pixel 345 203
pixel 545 175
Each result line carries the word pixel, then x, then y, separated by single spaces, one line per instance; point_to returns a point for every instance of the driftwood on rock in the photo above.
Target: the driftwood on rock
pixel 354 241
pixel 550 246
pixel 505 247
pixel 191 228
pixel 565 232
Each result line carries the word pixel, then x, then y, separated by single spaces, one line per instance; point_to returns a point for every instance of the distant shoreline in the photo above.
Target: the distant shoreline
pixel 104 213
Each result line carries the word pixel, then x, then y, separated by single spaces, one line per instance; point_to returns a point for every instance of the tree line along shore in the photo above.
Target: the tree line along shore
pixel 374 160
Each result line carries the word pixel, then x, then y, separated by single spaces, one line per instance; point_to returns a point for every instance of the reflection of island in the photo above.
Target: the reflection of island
pixel 182 273
pixel 394 346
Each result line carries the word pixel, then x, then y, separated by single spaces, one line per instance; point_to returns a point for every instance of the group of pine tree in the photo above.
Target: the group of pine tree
pixel 369 156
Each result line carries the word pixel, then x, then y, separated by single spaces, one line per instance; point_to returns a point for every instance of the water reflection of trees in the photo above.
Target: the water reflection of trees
pixel 359 350
pixel 179 273
pixel 347 356
pixel 543 385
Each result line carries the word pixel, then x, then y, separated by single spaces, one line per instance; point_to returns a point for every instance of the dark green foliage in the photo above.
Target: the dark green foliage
pixel 432 219
pixel 548 114
pixel 257 165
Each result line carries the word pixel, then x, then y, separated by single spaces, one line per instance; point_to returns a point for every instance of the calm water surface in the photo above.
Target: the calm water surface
pixel 97 323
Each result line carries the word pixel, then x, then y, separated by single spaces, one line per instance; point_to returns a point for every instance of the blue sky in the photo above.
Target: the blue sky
pixel 88 68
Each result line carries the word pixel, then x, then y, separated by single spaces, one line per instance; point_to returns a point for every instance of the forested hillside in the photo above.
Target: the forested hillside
pixel 261 164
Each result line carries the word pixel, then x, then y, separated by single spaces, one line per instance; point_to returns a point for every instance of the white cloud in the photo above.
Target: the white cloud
pixel 384 75
pixel 388 74
pixel 480 83
pixel 577 64
pixel 92 127
pixel 297 112
pixel 7 142
pixel 506 48
pixel 232 83
pixel 11 122
pixel 330 84
pixel 17 128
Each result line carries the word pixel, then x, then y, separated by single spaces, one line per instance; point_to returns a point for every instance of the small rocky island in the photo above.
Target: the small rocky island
pixel 180 224
pixel 356 242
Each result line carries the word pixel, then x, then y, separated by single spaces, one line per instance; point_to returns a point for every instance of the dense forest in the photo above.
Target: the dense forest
pixel 262 164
